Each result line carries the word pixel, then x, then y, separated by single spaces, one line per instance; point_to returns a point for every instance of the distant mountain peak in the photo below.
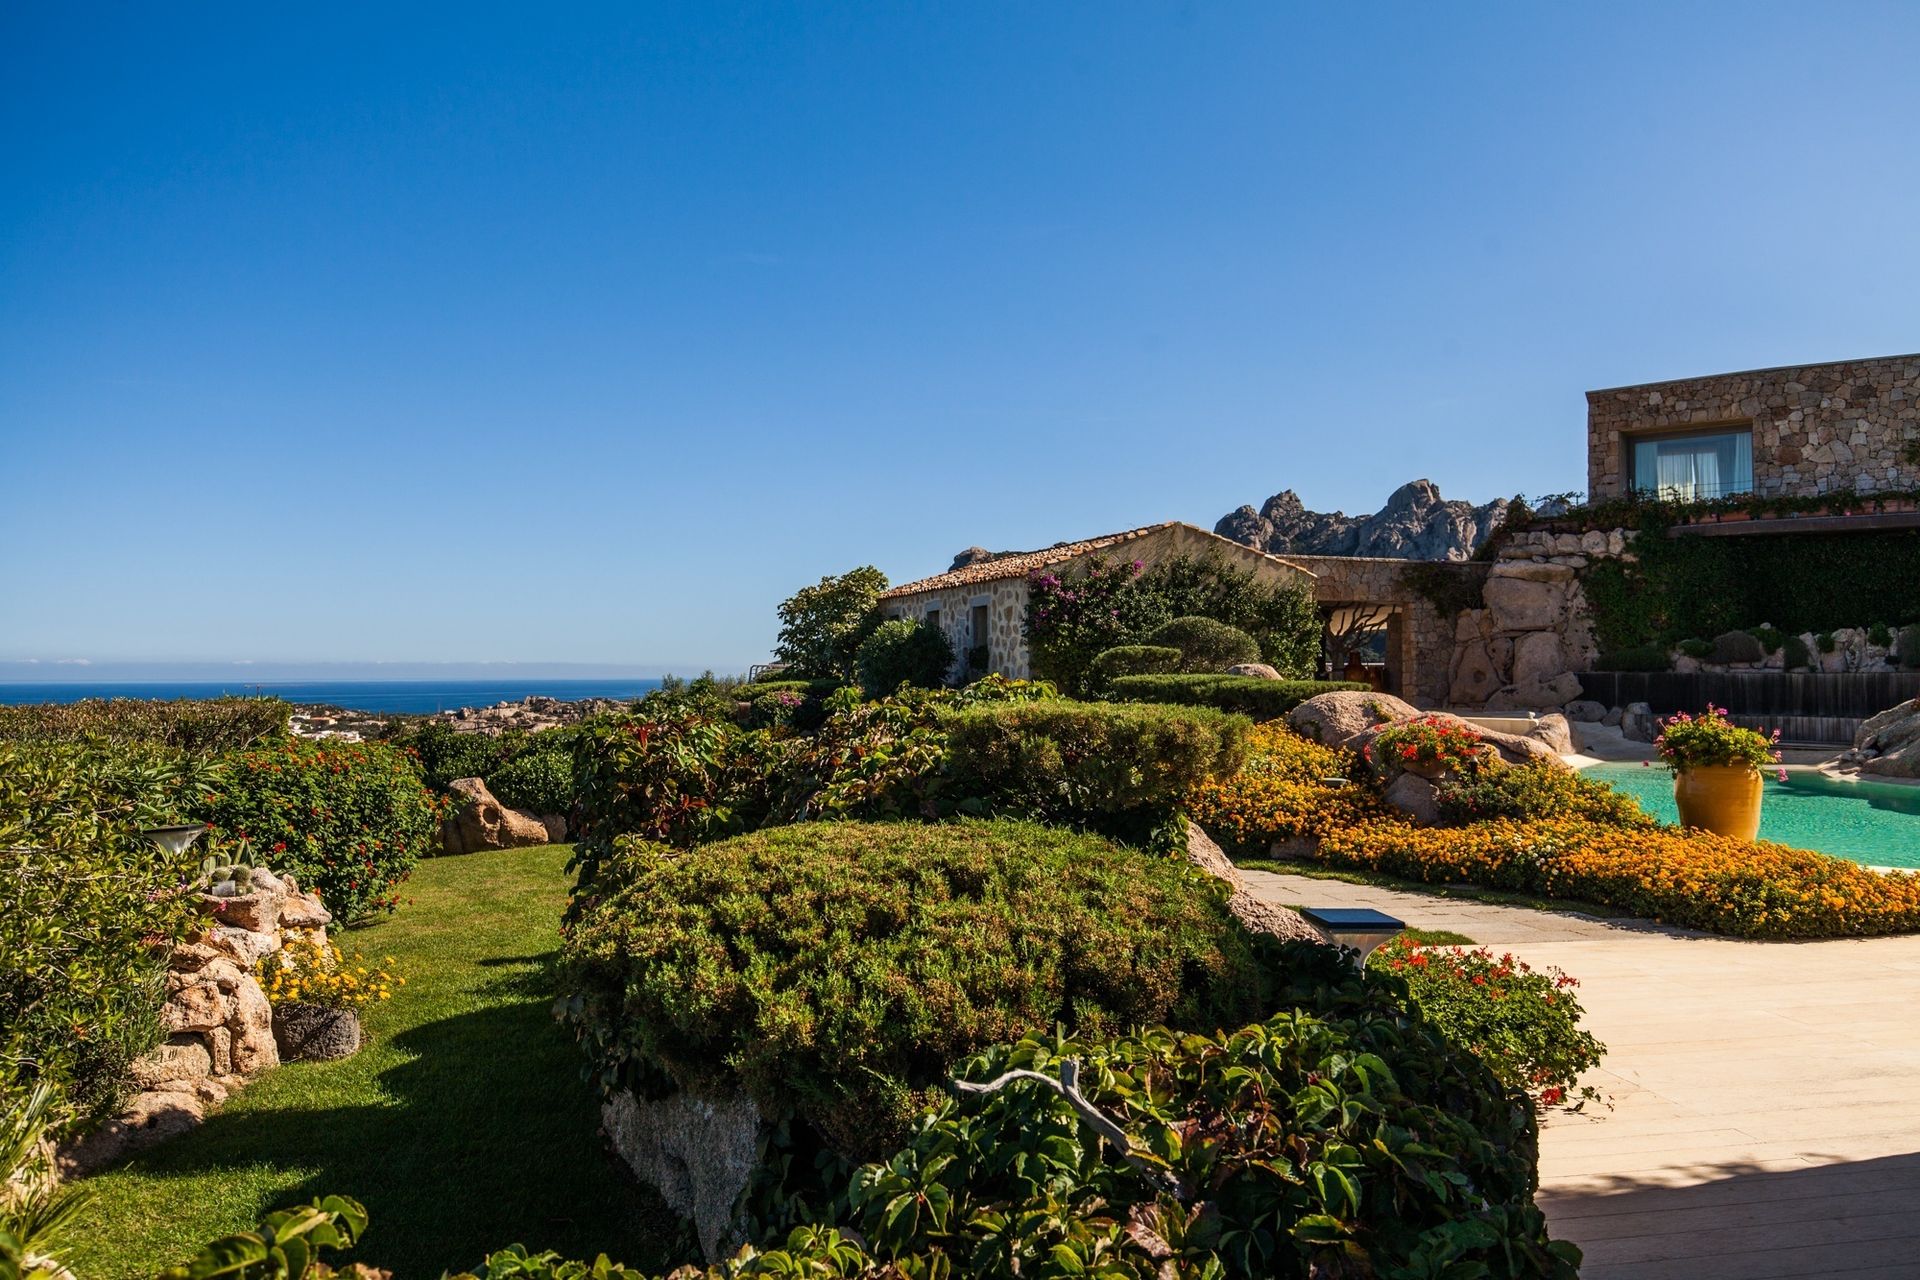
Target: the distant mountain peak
pixel 1416 523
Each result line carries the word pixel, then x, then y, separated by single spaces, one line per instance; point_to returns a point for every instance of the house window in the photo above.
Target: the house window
pixel 980 637
pixel 933 618
pixel 1692 468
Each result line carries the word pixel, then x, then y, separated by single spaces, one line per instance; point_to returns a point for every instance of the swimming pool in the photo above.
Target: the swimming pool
pixel 1873 822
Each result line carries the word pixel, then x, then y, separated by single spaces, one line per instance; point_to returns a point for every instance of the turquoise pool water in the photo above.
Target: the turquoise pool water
pixel 1873 822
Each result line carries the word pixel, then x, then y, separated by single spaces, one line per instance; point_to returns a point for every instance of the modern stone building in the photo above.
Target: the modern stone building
pixel 1795 431
pixel 984 604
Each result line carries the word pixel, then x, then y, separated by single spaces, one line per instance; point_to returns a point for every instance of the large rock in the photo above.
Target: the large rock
pixel 482 822
pixel 149 1119
pixel 1256 914
pixel 1537 658
pixel 1524 604
pixel 1537 695
pixel 1345 718
pixel 697 1152
pixel 1638 724
pixel 1413 795
pixel 1258 670
pixel 1889 744
pixel 179 1064
pixel 1415 524
pixel 1586 711
pixel 250 1029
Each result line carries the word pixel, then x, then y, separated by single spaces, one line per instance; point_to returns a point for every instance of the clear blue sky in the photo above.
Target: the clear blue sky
pixel 587 332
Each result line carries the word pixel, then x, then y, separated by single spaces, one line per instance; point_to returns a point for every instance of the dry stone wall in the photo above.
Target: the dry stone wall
pixel 1520 652
pixel 218 1022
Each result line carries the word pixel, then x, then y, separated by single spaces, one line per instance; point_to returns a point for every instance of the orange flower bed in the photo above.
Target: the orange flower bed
pixel 1745 889
pixel 1284 792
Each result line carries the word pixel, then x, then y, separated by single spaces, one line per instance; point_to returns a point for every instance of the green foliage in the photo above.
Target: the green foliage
pixel 517 1262
pixel 1771 639
pixel 1339 1137
pixel 1880 634
pixel 539 779
pixel 287 1246
pixel 1645 657
pixel 444 755
pixel 88 909
pixel 1204 644
pixel 903 652
pixel 1695 586
pixel 37 1211
pixel 1796 656
pixel 883 759
pixel 200 725
pixel 1711 739
pixel 350 820
pixel 836 971
pixel 1073 619
pixel 1523 1024
pixel 1906 647
pixel 1134 660
pixel 1536 789
pixel 1120 769
pixel 1450 587
pixel 1825 642
pixel 1252 696
pixel 1696 648
pixel 821 626
pixel 1283 620
pixel 1738 646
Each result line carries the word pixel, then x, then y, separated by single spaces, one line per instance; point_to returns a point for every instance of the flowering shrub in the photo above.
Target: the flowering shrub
pixel 349 820
pixel 1071 621
pixel 1524 1024
pixel 1427 743
pixel 1688 742
pixel 1287 789
pixel 1536 789
pixel 1692 878
pixel 305 971
pixel 88 912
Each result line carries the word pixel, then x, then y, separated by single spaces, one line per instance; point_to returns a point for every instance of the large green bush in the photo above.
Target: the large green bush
pixel 903 652
pixel 1284 620
pixel 1133 660
pixel 200 725
pixel 1737 646
pixel 88 910
pixel 1252 696
pixel 349 820
pixel 837 971
pixel 822 626
pixel 539 779
pixel 444 754
pixel 1204 644
pixel 1119 768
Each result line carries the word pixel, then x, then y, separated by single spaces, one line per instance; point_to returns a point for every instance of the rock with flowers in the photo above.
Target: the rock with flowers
pixel 218 1021
pixel 1346 720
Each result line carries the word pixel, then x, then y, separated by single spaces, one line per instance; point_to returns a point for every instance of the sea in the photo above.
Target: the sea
pixel 414 697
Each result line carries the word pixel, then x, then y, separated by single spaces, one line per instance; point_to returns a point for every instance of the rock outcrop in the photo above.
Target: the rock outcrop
pixel 1257 914
pixel 697 1152
pixel 482 822
pixel 1349 719
pixel 1888 745
pixel 218 1022
pixel 1415 524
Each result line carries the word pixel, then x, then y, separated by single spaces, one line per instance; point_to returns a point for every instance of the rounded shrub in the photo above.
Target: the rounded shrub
pixel 539 780
pixel 1204 644
pixel 1906 647
pixel 903 652
pixel 1738 646
pixel 348 820
pixel 1880 635
pixel 1796 655
pixel 836 971
pixel 1771 639
pixel 1825 642
pixel 1134 660
pixel 1696 648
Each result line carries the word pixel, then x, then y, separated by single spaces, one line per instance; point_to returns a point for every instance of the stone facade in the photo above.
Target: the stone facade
pixel 1419 645
pixel 1817 429
pixel 1000 585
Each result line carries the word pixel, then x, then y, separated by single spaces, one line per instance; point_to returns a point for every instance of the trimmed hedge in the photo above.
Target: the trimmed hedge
pixel 836 971
pixel 1119 768
pixel 1134 660
pixel 200 725
pixel 1253 696
pixel 1205 644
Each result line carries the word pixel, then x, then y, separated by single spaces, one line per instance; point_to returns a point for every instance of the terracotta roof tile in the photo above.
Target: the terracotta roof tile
pixel 1019 564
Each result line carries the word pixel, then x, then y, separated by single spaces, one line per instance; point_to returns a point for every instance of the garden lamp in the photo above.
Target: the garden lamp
pixel 174 841
pixel 1361 928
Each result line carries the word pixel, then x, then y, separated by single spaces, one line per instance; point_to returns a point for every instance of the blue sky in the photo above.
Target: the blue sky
pixel 585 333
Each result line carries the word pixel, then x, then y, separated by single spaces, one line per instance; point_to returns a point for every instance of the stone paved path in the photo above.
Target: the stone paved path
pixel 1766 1119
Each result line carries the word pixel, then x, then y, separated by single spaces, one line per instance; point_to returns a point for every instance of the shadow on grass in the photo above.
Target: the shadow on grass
pixel 490 1138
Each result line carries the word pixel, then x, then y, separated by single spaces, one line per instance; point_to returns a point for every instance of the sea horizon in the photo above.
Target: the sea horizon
pixel 404 697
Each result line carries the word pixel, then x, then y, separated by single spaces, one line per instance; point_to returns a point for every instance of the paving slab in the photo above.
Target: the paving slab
pixel 1764 1120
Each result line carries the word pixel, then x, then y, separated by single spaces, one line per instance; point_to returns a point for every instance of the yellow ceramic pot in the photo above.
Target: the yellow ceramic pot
pixel 1721 798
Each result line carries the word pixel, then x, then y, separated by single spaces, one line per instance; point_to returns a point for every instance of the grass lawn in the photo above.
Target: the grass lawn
pixel 463 1127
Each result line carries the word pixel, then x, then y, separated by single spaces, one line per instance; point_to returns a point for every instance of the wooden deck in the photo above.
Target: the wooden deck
pixel 1765 1119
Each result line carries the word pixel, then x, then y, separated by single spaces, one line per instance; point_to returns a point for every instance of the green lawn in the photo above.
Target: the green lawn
pixel 464 1126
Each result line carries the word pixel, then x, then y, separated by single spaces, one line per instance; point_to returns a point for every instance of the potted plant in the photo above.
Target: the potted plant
pixel 1716 771
pixel 317 995
pixel 1427 746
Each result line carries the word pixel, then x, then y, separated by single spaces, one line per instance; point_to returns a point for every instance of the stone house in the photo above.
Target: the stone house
pixel 1795 431
pixel 984 604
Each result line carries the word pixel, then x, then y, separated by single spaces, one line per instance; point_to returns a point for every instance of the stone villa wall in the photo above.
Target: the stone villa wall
pixel 1816 428
pixel 1519 653
pixel 1419 644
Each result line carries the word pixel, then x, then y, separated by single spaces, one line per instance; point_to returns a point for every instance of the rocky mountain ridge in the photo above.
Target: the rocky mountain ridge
pixel 1415 524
